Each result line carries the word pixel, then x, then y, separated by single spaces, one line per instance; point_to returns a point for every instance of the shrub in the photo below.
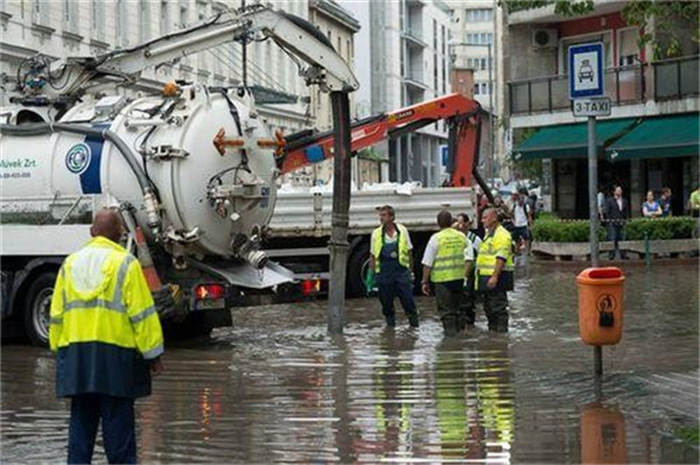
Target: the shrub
pixel 554 230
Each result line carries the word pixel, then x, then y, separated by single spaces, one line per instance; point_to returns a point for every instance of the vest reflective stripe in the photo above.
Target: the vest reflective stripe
pixel 377 242
pixel 116 303
pixel 143 315
pixel 449 259
pixel 493 246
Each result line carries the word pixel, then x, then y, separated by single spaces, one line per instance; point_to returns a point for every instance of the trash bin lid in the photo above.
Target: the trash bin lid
pixel 602 274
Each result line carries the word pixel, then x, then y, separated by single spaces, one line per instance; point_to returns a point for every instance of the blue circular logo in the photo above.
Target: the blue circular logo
pixel 78 158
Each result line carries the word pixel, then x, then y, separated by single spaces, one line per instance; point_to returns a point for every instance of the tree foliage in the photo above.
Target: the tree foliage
pixel 664 15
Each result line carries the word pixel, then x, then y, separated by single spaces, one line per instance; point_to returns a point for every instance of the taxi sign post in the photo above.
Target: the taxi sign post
pixel 586 81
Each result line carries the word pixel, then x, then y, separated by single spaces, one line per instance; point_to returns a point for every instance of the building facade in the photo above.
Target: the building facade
pixel 340 27
pixel 648 142
pixel 477 41
pixel 92 27
pixel 406 61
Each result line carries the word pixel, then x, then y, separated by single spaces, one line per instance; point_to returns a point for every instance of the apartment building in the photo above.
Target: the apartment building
pixel 92 27
pixel 405 61
pixel 649 141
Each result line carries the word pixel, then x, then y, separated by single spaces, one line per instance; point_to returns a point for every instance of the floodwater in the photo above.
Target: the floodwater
pixel 276 388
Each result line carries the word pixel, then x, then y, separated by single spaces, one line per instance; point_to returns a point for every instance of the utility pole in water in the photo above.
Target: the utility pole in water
pixel 340 220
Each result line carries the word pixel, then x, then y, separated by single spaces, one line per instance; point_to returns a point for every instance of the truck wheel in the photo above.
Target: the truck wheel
pixel 358 264
pixel 37 306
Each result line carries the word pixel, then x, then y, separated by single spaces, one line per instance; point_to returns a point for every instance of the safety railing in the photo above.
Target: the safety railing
pixel 676 78
pixel 624 85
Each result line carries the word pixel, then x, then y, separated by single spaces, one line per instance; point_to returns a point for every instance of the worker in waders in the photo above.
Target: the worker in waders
pixel 391 259
pixel 444 266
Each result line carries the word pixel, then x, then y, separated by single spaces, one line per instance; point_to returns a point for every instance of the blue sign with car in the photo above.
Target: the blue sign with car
pixel 586 77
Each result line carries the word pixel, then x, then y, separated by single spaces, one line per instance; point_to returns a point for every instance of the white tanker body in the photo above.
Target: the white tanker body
pixel 202 206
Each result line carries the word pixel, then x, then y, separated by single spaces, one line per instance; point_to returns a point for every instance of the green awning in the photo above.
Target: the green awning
pixel 663 137
pixel 569 140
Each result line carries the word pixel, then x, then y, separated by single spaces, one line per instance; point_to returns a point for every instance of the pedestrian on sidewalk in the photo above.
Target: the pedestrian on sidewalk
pixel 665 202
pixel 391 258
pixel 494 266
pixel 521 222
pixel 616 214
pixel 106 333
pixel 443 265
pixel 651 208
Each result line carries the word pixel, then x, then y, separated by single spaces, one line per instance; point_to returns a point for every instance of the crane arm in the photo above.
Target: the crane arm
pixel 295 35
pixel 462 114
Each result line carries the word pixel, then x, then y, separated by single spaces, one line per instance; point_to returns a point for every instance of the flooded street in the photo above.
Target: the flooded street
pixel 276 388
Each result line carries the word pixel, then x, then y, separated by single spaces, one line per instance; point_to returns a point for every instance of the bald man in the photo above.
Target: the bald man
pixel 108 342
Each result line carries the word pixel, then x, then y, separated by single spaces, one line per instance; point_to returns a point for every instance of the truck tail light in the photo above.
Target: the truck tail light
pixel 209 291
pixel 310 286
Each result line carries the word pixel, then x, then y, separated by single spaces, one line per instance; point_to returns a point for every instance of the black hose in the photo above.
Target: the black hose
pixel 39 129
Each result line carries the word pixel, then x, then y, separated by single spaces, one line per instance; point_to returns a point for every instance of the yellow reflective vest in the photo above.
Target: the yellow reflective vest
pixel 498 244
pixel 378 242
pixel 449 259
pixel 104 325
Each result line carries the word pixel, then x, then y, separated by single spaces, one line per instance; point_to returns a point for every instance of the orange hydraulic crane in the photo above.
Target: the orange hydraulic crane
pixel 463 116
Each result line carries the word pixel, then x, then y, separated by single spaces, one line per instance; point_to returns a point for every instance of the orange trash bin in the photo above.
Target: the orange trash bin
pixel 600 305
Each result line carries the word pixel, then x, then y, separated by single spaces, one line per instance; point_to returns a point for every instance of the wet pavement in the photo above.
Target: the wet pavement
pixel 276 388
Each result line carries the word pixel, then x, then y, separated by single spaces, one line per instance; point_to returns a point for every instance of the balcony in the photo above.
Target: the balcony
pixel 624 85
pixel 676 78
pixel 413 38
pixel 415 81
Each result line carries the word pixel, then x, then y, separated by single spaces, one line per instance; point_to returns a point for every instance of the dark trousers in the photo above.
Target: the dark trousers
pixel 118 428
pixel 402 288
pixel 496 309
pixel 456 310
pixel 616 233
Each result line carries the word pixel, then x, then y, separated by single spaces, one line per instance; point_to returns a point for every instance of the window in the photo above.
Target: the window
pixel 98 19
pixel 68 14
pixel 121 23
pixel 164 17
pixel 340 47
pixel 479 15
pixel 628 48
pixel 435 35
pixel 444 38
pixel 330 36
pixel 184 15
pixel 435 72
pixel 41 11
pixel 479 38
pixel 145 20
pixel 348 50
pixel 444 76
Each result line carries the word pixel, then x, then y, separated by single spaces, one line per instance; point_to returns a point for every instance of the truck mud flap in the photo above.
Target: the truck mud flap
pixel 245 275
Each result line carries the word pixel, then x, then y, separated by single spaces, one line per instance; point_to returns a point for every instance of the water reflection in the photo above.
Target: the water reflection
pixel 276 388
pixel 603 437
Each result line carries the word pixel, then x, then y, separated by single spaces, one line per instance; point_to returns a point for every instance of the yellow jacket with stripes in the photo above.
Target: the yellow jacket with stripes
pixel 104 325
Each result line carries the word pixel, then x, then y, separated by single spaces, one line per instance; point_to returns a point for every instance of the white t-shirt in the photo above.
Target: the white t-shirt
pixel 432 247
pixel 390 240
pixel 520 212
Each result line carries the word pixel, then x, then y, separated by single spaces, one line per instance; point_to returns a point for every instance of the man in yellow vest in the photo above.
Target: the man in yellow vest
pixel 392 261
pixel 494 266
pixel 105 330
pixel 443 264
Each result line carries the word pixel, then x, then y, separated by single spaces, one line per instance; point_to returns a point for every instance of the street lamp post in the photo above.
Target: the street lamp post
pixel 489 46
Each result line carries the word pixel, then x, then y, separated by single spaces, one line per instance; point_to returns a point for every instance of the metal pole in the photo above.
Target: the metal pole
pixel 491 109
pixel 338 244
pixel 594 220
pixel 244 73
pixel 593 190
